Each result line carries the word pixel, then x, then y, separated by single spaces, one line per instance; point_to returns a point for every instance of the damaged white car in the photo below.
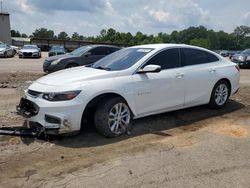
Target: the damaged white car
pixel 131 83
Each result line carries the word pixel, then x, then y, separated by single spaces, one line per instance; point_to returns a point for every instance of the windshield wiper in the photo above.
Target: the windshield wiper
pixel 102 68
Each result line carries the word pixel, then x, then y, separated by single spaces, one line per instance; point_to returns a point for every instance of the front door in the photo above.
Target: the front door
pixel 155 92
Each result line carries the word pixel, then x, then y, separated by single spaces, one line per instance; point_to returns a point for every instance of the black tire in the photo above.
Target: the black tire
pixel 101 118
pixel 213 103
pixel 5 55
pixel 71 65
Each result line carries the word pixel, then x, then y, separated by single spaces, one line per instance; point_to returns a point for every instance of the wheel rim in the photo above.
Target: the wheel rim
pixel 221 94
pixel 119 118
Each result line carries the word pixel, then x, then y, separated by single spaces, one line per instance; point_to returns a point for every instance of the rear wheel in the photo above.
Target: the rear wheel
pixel 5 54
pixel 112 117
pixel 220 94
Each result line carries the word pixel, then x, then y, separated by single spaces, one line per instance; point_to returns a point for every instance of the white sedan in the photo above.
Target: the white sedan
pixel 131 83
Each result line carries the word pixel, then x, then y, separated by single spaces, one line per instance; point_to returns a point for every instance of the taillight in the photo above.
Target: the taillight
pixel 237 67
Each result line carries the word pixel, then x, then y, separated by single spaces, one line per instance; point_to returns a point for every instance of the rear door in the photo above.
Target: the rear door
pixel 200 75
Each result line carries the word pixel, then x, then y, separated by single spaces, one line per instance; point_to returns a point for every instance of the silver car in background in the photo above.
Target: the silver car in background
pixel 6 50
pixel 30 51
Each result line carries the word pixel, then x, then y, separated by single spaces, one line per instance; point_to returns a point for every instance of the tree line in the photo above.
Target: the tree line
pixel 198 36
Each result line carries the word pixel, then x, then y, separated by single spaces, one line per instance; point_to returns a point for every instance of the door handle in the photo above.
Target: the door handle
pixel 212 70
pixel 179 75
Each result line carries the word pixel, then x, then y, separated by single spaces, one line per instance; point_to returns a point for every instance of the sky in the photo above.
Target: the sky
pixel 88 17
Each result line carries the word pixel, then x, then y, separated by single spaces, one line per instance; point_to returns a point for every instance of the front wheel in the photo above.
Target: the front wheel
pixel 112 117
pixel 220 94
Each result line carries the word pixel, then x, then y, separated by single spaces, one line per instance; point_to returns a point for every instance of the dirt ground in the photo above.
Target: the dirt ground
pixel 196 147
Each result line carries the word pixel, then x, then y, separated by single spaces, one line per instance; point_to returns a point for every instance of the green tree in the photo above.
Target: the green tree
pixel 63 35
pixel 75 36
pixel 241 33
pixel 43 33
pixel 24 35
pixel 15 33
pixel 110 36
pixel 201 42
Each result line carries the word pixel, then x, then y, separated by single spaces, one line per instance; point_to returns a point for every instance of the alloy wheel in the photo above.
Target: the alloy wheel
pixel 119 118
pixel 221 94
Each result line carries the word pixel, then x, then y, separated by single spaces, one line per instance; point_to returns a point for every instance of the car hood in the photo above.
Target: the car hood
pixel 74 76
pixel 28 50
pixel 236 56
pixel 2 49
pixel 64 56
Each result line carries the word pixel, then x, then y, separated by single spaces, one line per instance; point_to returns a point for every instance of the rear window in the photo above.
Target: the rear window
pixel 196 57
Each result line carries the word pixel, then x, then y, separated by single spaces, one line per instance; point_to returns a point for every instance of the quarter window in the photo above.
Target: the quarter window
pixel 196 57
pixel 167 59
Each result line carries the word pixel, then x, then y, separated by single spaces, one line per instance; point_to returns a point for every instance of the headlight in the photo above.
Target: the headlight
pixel 242 58
pixel 63 96
pixel 55 62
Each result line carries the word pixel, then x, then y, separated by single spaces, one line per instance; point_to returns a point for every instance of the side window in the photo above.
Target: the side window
pixel 99 51
pixel 167 59
pixel 111 50
pixel 196 57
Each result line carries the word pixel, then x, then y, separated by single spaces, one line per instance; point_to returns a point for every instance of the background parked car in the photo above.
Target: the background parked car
pixel 30 51
pixel 242 59
pixel 82 56
pixel 224 53
pixel 6 51
pixel 15 49
pixel 57 50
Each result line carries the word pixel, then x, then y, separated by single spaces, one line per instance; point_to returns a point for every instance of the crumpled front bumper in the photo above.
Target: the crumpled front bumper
pixel 56 117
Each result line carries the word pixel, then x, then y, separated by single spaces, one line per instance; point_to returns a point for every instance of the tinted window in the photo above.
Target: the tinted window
pixel 111 50
pixel 80 51
pixel 99 51
pixel 196 57
pixel 167 59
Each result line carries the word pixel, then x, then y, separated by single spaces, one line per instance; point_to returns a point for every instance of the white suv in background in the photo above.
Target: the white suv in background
pixel 131 83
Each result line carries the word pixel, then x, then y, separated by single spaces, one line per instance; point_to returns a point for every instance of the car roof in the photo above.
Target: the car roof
pixel 101 45
pixel 168 45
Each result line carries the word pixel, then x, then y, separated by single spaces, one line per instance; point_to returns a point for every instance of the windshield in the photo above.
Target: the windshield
pixel 3 45
pixel 57 48
pixel 122 59
pixel 29 47
pixel 80 51
pixel 247 51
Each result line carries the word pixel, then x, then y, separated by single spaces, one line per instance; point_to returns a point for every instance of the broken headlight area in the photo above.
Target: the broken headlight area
pixel 27 108
pixel 62 96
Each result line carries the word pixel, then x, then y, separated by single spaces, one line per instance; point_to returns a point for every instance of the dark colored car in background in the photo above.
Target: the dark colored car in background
pixel 224 53
pixel 57 50
pixel 84 55
pixel 242 59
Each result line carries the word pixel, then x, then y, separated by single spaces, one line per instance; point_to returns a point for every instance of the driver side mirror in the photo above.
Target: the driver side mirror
pixel 87 54
pixel 150 69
